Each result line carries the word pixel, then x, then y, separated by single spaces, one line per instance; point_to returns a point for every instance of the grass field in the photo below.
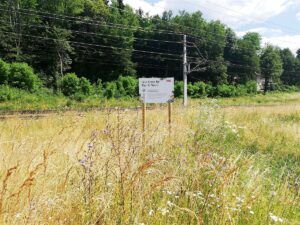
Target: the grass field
pixel 42 101
pixel 219 165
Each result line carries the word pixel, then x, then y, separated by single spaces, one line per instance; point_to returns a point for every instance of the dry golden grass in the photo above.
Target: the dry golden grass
pixel 219 166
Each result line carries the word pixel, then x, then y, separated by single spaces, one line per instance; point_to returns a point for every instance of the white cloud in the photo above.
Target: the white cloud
pixel 286 41
pixel 264 31
pixel 275 37
pixel 298 15
pixel 232 12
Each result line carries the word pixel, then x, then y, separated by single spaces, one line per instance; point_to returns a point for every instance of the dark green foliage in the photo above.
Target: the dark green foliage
pixel 5 93
pixel 55 46
pixel 127 86
pixel 271 66
pixel 178 89
pixel 69 84
pixel 85 86
pixel 111 90
pixel 251 87
pixel 197 90
pixel 22 76
pixel 225 90
pixel 98 88
pixel 4 72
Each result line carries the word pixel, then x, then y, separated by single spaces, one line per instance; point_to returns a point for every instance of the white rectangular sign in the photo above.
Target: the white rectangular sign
pixel 156 90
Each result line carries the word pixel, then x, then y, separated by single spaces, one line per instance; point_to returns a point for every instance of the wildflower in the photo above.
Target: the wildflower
pixel 18 215
pixel 90 146
pixel 211 196
pixel 276 218
pixel 164 211
pixel 169 192
pixel 141 224
pixel 239 199
pixel 176 196
pixel 170 204
pixel 273 193
pixel 151 212
pixel 83 161
pixel 105 131
pixel 251 212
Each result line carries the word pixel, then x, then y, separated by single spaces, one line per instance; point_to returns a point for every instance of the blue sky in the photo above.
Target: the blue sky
pixel 278 21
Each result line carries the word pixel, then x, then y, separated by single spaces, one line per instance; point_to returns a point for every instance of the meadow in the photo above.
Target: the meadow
pixel 226 161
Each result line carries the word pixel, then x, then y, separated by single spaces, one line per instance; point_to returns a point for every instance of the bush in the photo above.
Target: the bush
pixel 79 97
pixel 225 90
pixel 99 89
pixel 197 90
pixel 4 72
pixel 111 90
pixel 178 89
pixel 22 76
pixel 251 87
pixel 210 90
pixel 127 86
pixel 241 90
pixel 85 86
pixel 69 84
pixel 5 93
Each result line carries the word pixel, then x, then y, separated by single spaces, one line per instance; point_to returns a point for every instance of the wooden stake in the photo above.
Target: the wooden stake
pixel 170 117
pixel 144 117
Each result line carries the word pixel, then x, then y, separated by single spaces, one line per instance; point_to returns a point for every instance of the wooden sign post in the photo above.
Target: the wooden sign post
pixel 156 90
pixel 170 117
pixel 144 116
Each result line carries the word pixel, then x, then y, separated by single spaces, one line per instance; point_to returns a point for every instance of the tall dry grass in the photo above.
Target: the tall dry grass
pixel 219 166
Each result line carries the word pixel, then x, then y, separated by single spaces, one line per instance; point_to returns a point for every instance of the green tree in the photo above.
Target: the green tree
pixel 289 66
pixel 246 55
pixel 271 65
pixel 4 72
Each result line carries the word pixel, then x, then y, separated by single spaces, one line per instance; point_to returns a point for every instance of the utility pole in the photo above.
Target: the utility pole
pixel 185 72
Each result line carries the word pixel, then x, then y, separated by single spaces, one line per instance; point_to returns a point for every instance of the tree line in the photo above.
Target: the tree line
pixel 102 41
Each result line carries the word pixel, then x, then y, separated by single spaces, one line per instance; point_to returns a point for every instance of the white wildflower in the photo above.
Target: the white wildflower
pixel 170 204
pixel 239 199
pixel 276 218
pixel 169 192
pixel 251 212
pixel 151 212
pixel 164 211
pixel 212 195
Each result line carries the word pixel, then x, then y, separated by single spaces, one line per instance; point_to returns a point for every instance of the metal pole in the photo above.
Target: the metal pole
pixel 185 93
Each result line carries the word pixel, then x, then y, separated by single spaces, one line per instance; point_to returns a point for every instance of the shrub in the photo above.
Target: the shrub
pixel 178 89
pixel 79 97
pixel 225 90
pixel 22 76
pixel 69 84
pixel 127 86
pixel 210 90
pixel 241 90
pixel 98 88
pixel 111 90
pixel 5 93
pixel 251 87
pixel 85 86
pixel 4 72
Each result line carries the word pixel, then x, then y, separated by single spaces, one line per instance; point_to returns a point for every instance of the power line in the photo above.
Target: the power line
pixel 92 22
pixel 121 27
pixel 94 45
pixel 98 34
